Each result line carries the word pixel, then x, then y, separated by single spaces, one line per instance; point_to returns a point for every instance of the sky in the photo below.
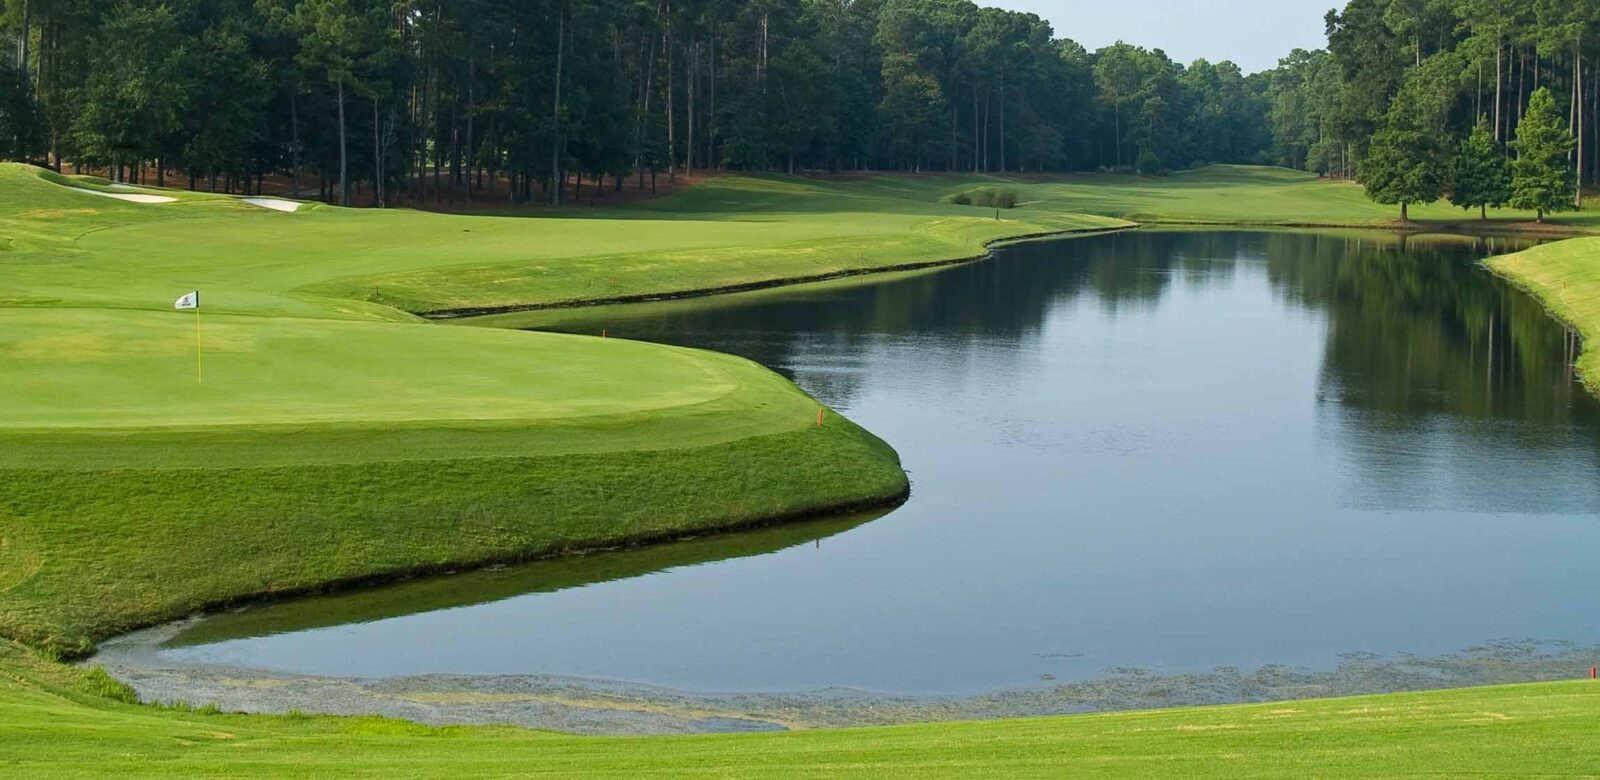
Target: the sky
pixel 1252 33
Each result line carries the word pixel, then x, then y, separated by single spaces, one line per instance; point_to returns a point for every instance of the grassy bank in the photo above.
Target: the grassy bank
pixel 1565 277
pixel 335 440
pixel 56 722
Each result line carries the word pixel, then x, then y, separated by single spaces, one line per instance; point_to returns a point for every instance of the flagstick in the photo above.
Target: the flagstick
pixel 199 375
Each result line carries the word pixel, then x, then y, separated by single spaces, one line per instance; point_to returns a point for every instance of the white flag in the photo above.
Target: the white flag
pixel 189 300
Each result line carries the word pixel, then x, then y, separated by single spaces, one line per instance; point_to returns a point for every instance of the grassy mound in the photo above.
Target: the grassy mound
pixel 59 722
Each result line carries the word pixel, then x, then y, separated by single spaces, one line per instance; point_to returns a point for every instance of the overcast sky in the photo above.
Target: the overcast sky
pixel 1252 33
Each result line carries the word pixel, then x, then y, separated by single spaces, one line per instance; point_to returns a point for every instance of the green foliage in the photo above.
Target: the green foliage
pixel 1482 173
pixel 445 93
pixel 1543 180
pixel 1149 164
pixel 988 197
pixel 138 83
pixel 1406 163
pixel 96 682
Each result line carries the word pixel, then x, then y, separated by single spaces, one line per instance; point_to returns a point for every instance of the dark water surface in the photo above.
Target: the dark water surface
pixel 1174 451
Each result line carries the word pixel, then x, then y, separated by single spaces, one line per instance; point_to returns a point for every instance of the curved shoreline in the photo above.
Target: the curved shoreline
pixel 1540 284
pixel 619 707
pixel 566 551
pixel 706 292
pixel 1472 228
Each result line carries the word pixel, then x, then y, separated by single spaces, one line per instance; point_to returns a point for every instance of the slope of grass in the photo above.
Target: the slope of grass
pixel 56 722
pixel 1565 277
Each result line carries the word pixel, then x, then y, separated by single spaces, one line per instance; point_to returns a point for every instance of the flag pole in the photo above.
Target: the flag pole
pixel 199 375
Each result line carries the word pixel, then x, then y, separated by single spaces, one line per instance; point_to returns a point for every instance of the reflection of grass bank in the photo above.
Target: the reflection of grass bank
pixel 485 586
pixel 51 726
pixel 1565 277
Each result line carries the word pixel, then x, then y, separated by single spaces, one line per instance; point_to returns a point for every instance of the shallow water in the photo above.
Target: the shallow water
pixel 1172 451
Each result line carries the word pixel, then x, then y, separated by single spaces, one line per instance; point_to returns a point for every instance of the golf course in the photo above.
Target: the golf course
pixel 329 419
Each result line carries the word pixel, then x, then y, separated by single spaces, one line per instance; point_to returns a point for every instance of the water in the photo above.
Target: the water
pixel 1173 451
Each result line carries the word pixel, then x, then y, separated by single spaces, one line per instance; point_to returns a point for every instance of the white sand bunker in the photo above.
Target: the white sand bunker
pixel 127 196
pixel 276 204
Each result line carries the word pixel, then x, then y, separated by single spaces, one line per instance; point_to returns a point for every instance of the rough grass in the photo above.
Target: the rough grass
pixel 55 724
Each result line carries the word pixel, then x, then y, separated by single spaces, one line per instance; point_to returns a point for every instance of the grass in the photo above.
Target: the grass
pixel 58 721
pixel 1565 277
pixel 1241 195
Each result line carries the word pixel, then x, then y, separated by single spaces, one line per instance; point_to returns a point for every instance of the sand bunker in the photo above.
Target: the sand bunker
pixel 276 204
pixel 128 196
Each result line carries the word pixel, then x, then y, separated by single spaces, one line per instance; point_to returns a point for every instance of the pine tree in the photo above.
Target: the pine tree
pixel 1406 162
pixel 1543 179
pixel 1482 174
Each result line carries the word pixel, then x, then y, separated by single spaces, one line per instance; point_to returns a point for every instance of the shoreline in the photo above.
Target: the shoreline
pixel 445 569
pixel 600 706
pixel 1471 228
pixel 440 315
pixel 1551 300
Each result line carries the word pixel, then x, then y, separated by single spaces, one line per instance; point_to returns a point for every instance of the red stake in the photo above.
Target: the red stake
pixel 1594 672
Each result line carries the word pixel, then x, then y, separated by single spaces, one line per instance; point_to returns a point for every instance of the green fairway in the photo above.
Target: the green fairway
pixel 55 722
pixel 1241 195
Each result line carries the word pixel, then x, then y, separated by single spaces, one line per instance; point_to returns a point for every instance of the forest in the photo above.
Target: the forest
pixel 389 101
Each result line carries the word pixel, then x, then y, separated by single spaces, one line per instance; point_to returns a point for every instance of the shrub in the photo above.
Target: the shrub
pixel 988 197
pixel 1149 164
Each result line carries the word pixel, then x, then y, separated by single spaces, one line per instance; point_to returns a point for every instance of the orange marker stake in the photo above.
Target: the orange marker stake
pixel 819 418
pixel 1594 672
pixel 602 333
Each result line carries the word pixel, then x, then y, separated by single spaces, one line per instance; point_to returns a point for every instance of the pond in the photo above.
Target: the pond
pixel 1165 450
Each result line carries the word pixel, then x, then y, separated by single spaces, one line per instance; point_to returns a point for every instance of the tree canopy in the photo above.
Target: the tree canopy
pixel 528 100
pixel 506 98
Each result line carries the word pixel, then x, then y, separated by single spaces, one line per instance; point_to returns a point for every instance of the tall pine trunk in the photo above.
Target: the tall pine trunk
pixel 672 137
pixel 555 108
pixel 1002 122
pixel 377 155
pixel 1577 106
pixel 1499 82
pixel 294 138
pixel 344 183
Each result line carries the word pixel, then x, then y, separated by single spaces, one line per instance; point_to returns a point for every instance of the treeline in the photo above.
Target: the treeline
pixel 415 99
pixel 1491 102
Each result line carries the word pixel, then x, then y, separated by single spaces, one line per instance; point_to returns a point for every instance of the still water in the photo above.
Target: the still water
pixel 1171 451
